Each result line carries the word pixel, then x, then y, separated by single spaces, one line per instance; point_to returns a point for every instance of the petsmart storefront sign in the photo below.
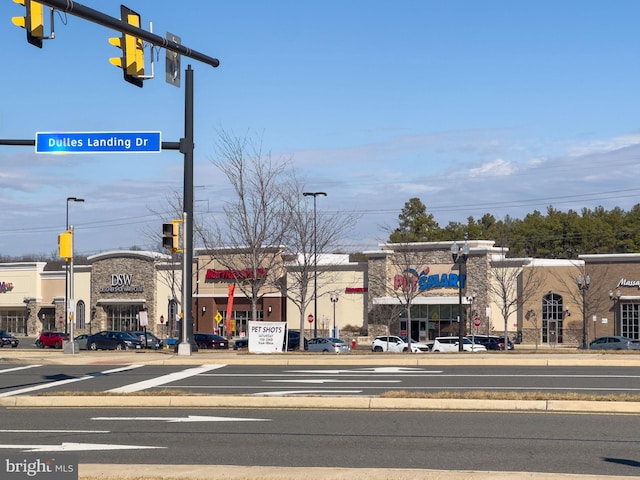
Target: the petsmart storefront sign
pixel 425 280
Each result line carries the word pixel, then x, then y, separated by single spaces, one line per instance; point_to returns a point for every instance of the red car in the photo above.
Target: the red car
pixel 209 340
pixel 51 339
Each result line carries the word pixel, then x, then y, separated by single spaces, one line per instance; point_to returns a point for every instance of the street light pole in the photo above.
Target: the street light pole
pixel 66 269
pixel 315 259
pixel 334 299
pixel 459 256
pixel 583 285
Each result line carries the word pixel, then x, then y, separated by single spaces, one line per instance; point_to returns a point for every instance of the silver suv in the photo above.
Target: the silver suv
pixel 450 344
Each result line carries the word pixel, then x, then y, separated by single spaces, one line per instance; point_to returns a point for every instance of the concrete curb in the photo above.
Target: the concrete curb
pixel 325 403
pixel 57 357
pixel 233 472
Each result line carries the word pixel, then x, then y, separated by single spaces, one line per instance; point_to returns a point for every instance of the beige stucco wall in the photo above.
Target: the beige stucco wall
pixel 349 283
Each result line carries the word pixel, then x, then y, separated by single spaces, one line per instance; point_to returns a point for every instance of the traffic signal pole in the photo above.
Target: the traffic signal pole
pixel 186 144
pixel 186 148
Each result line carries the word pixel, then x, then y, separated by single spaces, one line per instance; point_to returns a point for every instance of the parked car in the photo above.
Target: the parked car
pixel 491 342
pixel 6 339
pixel 206 341
pixel 151 341
pixel 113 340
pixel 328 344
pixel 81 340
pixel 614 343
pixel 393 343
pixel 389 343
pixel 241 344
pixel 292 342
pixel 51 339
pixel 451 344
pixel 416 345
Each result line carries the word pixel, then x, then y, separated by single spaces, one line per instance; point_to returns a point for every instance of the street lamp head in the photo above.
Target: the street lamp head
pixel 314 194
pixel 583 282
pixel 460 253
pixel 75 199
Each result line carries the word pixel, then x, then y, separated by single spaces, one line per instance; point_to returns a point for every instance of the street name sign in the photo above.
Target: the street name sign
pixel 98 142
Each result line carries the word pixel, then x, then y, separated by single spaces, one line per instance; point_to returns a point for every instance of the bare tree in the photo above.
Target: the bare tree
pixel 308 235
pixel 578 292
pixel 511 285
pixel 248 239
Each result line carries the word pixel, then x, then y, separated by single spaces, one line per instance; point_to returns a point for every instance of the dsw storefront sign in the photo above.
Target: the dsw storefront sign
pixel 122 283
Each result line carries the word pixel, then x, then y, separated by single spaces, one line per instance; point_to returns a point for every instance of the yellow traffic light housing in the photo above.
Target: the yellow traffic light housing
pixel 65 245
pixel 132 60
pixel 32 22
pixel 171 236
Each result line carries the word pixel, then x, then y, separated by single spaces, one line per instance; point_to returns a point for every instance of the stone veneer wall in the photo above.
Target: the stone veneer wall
pixel 382 266
pixel 142 270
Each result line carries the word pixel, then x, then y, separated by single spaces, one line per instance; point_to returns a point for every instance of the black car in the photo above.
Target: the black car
pixel 293 341
pixel 148 339
pixel 206 341
pixel 7 339
pixel 492 342
pixel 113 340
pixel 241 344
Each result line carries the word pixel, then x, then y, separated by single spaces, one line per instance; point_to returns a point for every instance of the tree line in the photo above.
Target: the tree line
pixel 556 234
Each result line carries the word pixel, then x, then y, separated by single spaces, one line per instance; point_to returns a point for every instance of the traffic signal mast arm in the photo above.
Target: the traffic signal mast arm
pixel 78 10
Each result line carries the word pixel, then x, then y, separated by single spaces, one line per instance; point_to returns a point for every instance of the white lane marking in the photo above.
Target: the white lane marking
pixel 304 392
pixel 15 369
pixel 55 431
pixel 188 419
pixel 331 380
pixel 67 381
pixel 75 447
pixel 164 379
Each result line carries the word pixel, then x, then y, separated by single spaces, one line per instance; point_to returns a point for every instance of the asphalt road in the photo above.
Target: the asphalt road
pixel 324 380
pixel 525 442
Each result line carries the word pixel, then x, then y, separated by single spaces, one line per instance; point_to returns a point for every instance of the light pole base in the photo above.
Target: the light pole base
pixel 184 348
pixel 71 347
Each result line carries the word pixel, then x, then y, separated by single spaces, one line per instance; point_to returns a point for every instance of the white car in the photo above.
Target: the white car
pixel 392 343
pixel 450 344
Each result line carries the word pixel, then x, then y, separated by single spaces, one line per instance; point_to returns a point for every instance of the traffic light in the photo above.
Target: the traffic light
pixel 65 244
pixel 132 60
pixel 32 22
pixel 171 236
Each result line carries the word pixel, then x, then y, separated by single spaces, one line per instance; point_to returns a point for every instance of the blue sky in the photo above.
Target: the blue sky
pixel 475 107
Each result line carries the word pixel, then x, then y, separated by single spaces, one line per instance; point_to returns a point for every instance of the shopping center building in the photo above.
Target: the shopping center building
pixel 537 301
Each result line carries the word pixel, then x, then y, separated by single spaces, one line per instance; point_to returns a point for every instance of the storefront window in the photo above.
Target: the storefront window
pixel 630 321
pixel 80 318
pixel 552 318
pixel 14 321
pixel 123 317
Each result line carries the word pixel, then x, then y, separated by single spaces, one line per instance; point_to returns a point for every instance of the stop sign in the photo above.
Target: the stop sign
pixel 310 318
pixel 476 321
